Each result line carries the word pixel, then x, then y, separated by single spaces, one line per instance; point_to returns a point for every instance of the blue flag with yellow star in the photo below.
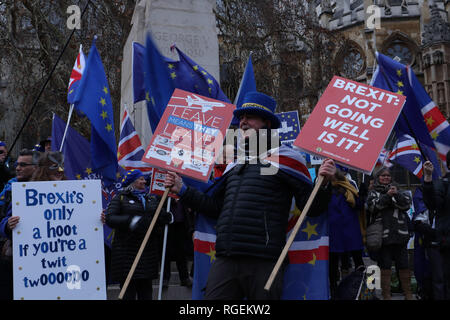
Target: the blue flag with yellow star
pixel 77 163
pixel 162 75
pixel 290 126
pixel 392 75
pixel 94 100
pixel 248 84
pixel 306 276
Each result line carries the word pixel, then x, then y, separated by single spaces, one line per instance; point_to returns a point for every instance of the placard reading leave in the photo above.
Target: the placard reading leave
pixel 189 135
pixel 351 123
pixel 58 247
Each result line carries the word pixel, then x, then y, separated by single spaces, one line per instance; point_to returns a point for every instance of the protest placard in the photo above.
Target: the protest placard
pixel 58 248
pixel 189 135
pixel 351 123
pixel 157 184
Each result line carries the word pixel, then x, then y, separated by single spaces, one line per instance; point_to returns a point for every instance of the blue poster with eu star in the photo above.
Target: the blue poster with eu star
pixel 58 250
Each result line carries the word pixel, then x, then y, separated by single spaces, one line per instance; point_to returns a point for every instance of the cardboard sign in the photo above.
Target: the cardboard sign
pixel 58 248
pixel 157 185
pixel 351 123
pixel 189 135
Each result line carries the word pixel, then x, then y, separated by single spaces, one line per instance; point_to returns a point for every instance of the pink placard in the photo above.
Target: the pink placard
pixel 189 135
pixel 351 123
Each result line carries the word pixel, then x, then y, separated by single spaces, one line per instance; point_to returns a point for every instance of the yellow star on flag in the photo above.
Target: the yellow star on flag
pixel 430 121
pixel 399 72
pixel 147 96
pixel 210 81
pixel 104 114
pixel 399 84
pixel 211 254
pixel 79 66
pixel 313 261
pixel 170 65
pixel 415 146
pixel 434 135
pixel 173 75
pixel 118 154
pixel 88 170
pixel 400 92
pixel 204 72
pixel 195 68
pixel 78 176
pixel 310 229
pixel 103 101
pixel 108 127
pixel 71 90
pixel 105 90
pixel 416 159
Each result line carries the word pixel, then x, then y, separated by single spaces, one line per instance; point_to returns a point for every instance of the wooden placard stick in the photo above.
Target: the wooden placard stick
pixel 144 243
pixel 293 233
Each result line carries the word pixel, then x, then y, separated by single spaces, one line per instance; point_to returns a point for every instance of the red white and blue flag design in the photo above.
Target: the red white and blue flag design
pixel 306 277
pixel 130 150
pixel 75 76
pixel 407 154
pixel 290 161
pixel 425 119
pixel 437 125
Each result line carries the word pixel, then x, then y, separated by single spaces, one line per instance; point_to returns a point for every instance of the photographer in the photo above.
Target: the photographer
pixel 391 204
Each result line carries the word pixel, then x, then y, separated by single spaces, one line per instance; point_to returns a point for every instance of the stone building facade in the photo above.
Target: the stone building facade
pixel 417 32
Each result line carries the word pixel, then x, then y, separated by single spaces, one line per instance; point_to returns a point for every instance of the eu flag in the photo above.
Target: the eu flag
pixel 77 163
pixel 138 72
pixel 162 75
pixel 94 100
pixel 393 76
pixel 158 85
pixel 248 84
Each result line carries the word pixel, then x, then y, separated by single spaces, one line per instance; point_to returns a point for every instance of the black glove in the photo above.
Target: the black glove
pixel 165 217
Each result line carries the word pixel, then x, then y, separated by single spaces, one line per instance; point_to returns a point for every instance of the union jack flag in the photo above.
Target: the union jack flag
pixel 407 154
pixel 75 76
pixel 130 150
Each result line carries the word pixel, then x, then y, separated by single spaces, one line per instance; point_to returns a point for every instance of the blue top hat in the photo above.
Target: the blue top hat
pixel 259 104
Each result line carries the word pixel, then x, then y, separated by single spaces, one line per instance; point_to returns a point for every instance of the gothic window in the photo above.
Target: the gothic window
pixel 352 63
pixel 398 48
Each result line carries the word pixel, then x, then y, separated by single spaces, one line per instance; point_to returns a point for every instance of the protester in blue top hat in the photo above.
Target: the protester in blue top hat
pixel 252 208
pixel 129 214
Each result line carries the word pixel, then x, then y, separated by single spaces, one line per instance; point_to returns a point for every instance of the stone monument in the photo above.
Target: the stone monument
pixel 190 24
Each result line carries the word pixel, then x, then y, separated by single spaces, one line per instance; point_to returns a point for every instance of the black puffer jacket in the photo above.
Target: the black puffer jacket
pixel 436 196
pixel 126 243
pixel 253 209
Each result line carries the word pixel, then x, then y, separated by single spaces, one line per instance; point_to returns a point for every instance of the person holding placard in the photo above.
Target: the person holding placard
pixel 436 195
pixel 129 214
pixel 387 201
pixel 26 165
pixel 253 208
pixel 344 228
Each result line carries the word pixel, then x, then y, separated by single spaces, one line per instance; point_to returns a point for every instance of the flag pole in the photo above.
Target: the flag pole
pixel 163 258
pixel 144 243
pixel 44 85
pixel 403 115
pixel 293 233
pixel 67 126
